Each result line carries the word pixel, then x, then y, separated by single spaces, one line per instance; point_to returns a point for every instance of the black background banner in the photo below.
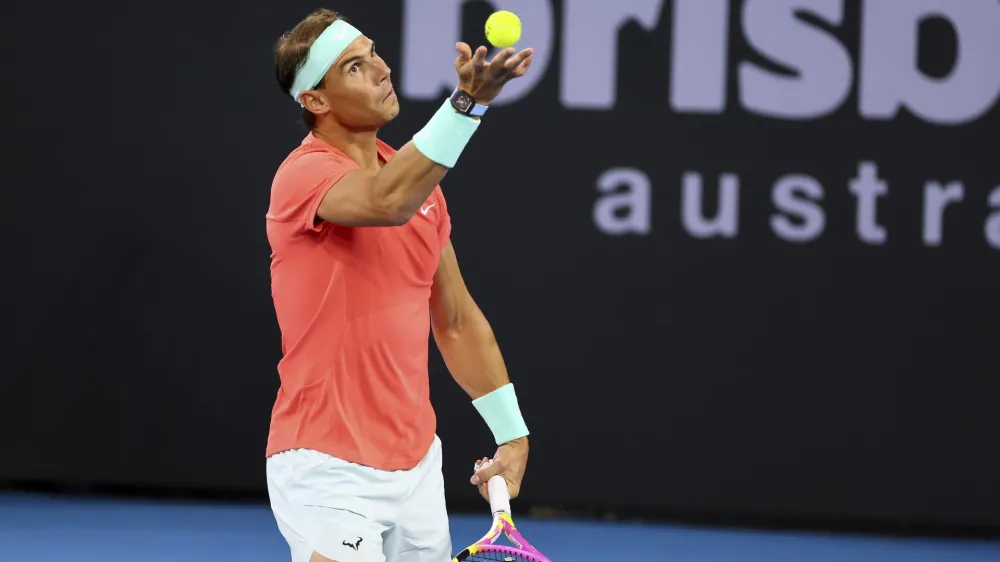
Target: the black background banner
pixel 822 351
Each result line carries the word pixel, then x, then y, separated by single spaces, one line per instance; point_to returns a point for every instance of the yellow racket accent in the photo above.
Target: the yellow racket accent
pixel 472 550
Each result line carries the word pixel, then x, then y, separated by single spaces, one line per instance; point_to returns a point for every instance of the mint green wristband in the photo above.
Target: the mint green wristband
pixel 502 414
pixel 444 137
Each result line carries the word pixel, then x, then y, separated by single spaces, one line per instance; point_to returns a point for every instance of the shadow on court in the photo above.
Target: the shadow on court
pixel 35 527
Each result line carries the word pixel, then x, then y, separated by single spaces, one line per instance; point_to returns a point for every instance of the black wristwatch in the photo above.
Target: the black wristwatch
pixel 466 104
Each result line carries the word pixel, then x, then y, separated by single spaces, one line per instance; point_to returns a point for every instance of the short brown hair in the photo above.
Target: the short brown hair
pixel 292 48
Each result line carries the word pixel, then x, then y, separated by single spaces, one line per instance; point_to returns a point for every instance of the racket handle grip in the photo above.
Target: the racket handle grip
pixel 499 496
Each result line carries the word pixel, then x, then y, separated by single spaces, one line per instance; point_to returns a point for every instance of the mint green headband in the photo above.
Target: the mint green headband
pixel 324 52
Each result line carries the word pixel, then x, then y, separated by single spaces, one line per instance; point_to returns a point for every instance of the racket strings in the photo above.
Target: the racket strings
pixel 497 557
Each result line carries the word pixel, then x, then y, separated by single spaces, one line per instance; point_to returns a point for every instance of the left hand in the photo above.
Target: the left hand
pixel 509 461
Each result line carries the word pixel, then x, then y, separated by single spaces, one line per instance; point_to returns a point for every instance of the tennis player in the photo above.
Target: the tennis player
pixel 362 271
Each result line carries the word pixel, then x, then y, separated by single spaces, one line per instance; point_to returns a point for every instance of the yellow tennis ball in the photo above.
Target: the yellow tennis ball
pixel 503 29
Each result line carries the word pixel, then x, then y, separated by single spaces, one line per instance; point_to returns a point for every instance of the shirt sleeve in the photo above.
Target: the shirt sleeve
pixel 444 220
pixel 300 186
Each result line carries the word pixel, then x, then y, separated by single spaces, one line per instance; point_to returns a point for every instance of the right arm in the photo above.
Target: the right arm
pixel 391 196
pixel 388 197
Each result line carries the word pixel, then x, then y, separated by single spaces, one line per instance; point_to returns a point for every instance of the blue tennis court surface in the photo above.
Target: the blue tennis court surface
pixel 47 528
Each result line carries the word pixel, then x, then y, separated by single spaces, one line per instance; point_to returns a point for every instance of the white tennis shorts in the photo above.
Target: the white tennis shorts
pixel 353 513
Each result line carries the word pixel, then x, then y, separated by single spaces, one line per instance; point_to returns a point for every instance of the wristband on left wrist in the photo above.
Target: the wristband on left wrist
pixel 502 414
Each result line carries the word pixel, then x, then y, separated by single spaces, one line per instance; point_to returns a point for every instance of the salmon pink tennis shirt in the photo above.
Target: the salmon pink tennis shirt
pixel 352 304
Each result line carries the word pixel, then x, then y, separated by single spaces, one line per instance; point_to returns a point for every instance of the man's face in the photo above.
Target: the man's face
pixel 358 90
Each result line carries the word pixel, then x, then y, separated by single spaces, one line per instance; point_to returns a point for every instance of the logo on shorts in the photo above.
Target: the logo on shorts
pixel 353 545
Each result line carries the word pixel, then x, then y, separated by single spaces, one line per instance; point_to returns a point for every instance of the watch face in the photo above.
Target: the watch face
pixel 462 101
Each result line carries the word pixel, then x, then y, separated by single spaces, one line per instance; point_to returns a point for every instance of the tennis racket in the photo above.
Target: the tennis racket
pixel 486 549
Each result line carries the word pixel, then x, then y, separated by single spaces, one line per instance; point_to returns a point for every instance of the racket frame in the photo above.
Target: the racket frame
pixel 503 524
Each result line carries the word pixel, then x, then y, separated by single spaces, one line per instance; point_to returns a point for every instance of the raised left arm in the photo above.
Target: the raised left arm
pixel 462 333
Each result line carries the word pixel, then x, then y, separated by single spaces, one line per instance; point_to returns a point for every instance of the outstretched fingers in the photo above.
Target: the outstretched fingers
pixel 519 64
pixel 464 54
pixel 516 60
